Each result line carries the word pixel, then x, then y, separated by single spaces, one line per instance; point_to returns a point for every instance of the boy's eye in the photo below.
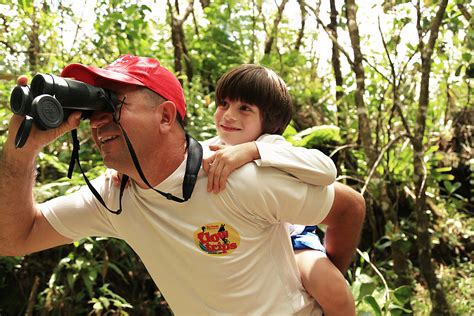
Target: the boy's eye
pixel 245 107
pixel 223 104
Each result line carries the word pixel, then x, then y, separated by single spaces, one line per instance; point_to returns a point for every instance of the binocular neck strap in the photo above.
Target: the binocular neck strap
pixel 193 165
pixel 75 158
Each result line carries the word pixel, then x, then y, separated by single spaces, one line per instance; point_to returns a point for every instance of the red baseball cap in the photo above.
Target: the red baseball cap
pixel 135 70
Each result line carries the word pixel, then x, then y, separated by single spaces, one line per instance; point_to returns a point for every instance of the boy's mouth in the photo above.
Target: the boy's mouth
pixel 229 128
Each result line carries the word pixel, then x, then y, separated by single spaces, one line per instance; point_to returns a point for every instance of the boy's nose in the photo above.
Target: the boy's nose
pixel 230 114
pixel 99 119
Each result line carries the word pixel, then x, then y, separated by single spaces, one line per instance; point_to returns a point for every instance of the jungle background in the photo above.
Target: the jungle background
pixel 383 87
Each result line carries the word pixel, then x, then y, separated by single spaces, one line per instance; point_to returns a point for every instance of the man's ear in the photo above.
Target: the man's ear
pixel 167 111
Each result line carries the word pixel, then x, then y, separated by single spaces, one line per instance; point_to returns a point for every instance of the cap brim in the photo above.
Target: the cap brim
pixel 97 76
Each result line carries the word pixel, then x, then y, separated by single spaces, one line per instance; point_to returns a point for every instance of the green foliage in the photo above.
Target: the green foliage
pixel 313 136
pixel 87 268
pixel 103 276
pixel 373 296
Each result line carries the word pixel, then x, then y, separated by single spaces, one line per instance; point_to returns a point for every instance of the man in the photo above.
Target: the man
pixel 226 253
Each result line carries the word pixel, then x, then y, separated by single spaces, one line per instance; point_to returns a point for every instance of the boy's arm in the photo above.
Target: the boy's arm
pixel 308 165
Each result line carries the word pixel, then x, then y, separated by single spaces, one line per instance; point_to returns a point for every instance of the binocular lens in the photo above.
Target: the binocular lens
pixel 51 99
pixel 20 100
pixel 44 84
pixel 47 111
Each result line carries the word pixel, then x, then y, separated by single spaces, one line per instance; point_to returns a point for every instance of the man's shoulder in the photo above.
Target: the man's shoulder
pixel 273 139
pixel 211 141
pixel 250 175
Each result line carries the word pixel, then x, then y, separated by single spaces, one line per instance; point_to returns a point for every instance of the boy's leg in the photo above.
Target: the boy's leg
pixel 323 281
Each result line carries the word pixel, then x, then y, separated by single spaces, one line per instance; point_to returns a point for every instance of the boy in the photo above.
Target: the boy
pixel 252 102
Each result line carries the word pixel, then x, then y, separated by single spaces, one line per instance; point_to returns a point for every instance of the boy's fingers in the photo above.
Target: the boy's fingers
pixel 206 164
pixel 217 177
pixel 210 178
pixel 216 147
pixel 223 179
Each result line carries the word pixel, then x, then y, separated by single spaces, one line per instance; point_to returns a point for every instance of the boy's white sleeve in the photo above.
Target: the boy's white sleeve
pixel 309 165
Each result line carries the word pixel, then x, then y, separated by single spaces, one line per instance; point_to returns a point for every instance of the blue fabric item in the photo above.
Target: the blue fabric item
pixel 307 240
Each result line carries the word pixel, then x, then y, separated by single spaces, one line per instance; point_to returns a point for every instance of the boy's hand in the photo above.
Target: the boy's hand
pixel 225 160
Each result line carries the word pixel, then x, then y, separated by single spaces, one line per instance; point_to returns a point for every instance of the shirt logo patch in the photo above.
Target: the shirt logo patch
pixel 217 239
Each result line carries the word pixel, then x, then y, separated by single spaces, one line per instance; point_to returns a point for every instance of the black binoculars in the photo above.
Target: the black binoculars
pixel 50 100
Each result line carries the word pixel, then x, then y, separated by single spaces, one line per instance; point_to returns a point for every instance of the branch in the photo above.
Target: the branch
pixel 79 24
pixel 379 158
pixel 392 66
pixel 342 148
pixel 435 25
pixel 464 11
pixel 274 30
pixel 331 37
pixel 299 39
pixel 188 11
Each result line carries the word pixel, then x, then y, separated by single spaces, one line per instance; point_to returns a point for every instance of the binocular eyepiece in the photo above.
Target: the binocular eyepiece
pixel 50 100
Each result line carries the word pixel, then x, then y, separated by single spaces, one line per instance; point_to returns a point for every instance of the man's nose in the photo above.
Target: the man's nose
pixel 99 118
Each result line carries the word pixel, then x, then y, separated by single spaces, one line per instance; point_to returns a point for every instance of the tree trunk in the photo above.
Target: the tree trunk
pixel 179 41
pixel 439 302
pixel 364 127
pixel 33 36
pixel 335 59
pixel 365 135
pixel 299 39
pixel 274 31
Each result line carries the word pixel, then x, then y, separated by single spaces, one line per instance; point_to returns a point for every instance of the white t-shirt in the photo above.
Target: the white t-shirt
pixel 216 254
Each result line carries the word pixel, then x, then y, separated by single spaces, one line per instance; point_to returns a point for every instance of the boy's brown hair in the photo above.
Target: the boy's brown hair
pixel 262 87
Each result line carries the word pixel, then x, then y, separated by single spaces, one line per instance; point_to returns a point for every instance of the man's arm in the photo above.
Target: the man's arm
pixel 344 225
pixel 23 228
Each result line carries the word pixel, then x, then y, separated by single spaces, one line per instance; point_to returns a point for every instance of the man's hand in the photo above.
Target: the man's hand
pixel 24 229
pixel 22 80
pixel 224 161
pixel 38 138
pixel 344 226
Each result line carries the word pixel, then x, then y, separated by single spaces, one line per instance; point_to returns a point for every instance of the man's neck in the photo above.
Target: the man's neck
pixel 161 165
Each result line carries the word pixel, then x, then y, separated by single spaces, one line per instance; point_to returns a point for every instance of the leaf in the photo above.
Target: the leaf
pixel 370 300
pixel 403 294
pixel 289 131
pixel 88 283
pixel 105 302
pixel 88 247
pixel 466 57
pixel 71 278
pixel 458 70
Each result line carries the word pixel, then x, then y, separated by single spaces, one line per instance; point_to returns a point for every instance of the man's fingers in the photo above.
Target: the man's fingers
pixel 22 80
pixel 72 122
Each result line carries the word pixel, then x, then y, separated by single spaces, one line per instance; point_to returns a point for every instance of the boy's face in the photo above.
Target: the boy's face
pixel 237 122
